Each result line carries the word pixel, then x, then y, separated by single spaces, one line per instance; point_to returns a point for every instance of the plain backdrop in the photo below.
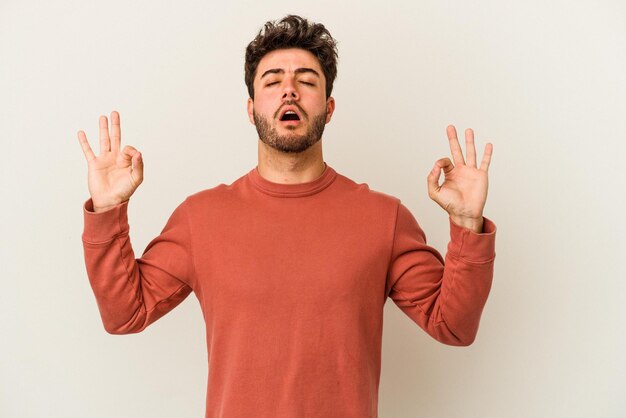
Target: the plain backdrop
pixel 545 82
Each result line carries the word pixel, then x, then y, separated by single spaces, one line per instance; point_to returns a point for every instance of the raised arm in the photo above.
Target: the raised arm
pixel 131 293
pixel 446 297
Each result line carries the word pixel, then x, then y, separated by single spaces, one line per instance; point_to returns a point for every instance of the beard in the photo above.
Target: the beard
pixel 290 143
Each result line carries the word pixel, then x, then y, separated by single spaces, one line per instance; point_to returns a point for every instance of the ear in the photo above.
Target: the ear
pixel 330 108
pixel 251 110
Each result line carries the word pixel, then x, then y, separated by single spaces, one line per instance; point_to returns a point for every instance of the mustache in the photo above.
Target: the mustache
pixel 291 103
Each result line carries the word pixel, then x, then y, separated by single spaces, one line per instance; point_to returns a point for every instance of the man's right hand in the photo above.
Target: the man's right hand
pixel 114 175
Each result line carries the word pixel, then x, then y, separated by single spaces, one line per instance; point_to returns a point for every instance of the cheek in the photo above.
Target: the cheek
pixel 260 107
pixel 320 106
pixel 266 102
pixel 265 111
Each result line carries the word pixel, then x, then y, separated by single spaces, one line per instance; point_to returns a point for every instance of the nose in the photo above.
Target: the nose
pixel 290 92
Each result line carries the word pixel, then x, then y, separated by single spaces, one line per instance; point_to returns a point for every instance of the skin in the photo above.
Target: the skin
pixel 115 174
pixel 463 193
pixel 305 90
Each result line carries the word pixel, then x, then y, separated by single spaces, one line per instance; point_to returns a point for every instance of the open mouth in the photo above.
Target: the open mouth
pixel 290 115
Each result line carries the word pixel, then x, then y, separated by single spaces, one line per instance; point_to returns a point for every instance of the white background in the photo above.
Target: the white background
pixel 544 82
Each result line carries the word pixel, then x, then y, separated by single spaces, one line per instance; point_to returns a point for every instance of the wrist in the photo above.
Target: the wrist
pixel 102 208
pixel 98 209
pixel 474 224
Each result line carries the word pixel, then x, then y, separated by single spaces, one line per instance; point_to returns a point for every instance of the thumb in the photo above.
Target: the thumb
pixel 131 156
pixel 127 153
pixel 433 181
pixel 137 167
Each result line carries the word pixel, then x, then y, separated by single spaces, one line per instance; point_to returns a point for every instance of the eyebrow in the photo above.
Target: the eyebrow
pixel 297 71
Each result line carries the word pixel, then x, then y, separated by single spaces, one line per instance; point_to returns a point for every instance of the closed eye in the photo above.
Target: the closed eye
pixel 307 83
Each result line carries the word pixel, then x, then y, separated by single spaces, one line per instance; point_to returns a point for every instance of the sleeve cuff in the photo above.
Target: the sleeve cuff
pixel 467 244
pixel 104 226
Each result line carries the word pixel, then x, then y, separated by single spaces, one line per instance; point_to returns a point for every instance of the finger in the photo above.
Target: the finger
pixel 128 152
pixel 433 181
pixel 137 160
pixel 445 164
pixel 84 144
pixel 470 149
pixel 487 157
pixel 105 142
pixel 457 154
pixel 136 173
pixel 116 133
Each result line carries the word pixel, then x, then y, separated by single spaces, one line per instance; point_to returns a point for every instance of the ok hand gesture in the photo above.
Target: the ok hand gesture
pixel 113 176
pixel 464 191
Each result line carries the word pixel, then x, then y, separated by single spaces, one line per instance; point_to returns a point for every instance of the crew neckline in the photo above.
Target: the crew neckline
pixel 292 190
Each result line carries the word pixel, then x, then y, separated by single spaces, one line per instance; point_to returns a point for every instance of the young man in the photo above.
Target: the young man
pixel 293 262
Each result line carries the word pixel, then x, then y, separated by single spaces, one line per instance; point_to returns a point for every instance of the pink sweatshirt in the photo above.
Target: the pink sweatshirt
pixel 292 280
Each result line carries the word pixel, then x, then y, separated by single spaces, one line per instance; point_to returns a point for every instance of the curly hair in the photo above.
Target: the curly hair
pixel 293 32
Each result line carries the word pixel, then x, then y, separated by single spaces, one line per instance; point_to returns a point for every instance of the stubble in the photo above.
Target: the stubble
pixel 290 143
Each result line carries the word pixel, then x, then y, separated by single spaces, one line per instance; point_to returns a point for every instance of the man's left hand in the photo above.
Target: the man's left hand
pixel 464 191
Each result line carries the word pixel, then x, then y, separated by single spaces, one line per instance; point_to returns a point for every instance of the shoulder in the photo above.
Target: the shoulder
pixel 363 194
pixel 222 192
pixel 375 211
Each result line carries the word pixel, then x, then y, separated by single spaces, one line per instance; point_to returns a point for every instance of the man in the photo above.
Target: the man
pixel 292 263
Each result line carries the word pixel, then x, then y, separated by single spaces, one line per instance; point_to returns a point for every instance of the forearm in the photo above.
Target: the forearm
pixel 116 286
pixel 468 274
pixel 443 296
pixel 131 293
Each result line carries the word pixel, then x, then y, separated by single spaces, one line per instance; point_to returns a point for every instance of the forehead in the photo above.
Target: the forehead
pixel 288 60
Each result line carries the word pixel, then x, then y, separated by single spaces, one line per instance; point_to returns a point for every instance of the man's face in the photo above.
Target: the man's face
pixel 290 107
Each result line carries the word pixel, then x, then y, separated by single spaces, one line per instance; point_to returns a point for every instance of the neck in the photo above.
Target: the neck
pixel 288 168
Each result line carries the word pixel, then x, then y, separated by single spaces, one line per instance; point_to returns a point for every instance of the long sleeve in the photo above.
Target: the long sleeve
pixel 446 299
pixel 132 293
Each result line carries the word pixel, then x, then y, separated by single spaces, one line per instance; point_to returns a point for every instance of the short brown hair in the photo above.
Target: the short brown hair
pixel 293 32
